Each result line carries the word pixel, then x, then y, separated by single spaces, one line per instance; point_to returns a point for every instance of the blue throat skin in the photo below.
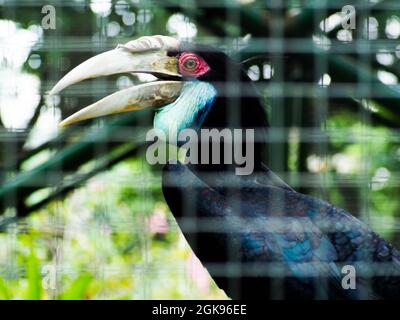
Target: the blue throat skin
pixel 188 111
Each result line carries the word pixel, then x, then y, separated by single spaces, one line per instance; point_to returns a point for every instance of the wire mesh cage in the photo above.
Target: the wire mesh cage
pixel 83 212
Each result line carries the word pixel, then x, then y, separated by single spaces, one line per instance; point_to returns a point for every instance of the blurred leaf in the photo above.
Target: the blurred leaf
pixel 34 278
pixel 4 291
pixel 79 288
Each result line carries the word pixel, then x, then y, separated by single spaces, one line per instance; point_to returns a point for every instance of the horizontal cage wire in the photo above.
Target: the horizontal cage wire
pixel 84 215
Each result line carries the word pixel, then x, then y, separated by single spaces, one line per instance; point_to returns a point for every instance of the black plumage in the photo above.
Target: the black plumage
pixel 257 236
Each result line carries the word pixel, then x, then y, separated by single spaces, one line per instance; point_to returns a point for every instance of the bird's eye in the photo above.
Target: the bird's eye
pixel 192 65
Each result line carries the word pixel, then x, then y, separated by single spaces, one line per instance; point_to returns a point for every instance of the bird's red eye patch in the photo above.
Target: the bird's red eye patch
pixel 191 65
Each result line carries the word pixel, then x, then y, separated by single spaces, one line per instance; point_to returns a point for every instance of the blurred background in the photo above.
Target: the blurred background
pixel 82 213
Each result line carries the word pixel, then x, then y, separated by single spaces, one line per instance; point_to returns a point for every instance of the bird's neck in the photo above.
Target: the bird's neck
pixel 239 128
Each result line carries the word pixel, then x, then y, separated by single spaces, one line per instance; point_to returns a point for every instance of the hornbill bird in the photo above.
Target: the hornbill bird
pixel 255 234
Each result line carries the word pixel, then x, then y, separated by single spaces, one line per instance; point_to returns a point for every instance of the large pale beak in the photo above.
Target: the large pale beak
pixel 144 55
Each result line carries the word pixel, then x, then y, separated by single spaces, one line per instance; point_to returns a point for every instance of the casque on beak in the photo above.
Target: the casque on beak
pixel 144 55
